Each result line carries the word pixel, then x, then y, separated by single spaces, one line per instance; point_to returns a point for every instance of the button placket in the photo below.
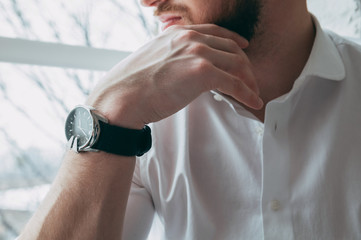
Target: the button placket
pixel 275 205
pixel 276 164
pixel 259 130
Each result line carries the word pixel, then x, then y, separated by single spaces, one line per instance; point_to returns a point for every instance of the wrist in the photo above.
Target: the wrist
pixel 126 118
pixel 120 113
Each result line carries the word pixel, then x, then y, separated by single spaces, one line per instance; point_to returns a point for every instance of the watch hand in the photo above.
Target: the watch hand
pixel 82 130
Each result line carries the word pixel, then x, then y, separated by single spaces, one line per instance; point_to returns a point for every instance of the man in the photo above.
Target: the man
pixel 254 137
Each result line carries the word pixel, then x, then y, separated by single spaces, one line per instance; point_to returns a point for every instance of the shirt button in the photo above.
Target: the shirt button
pixel 275 205
pixel 218 98
pixel 259 130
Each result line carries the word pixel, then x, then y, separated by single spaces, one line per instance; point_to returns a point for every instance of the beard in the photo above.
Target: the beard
pixel 244 19
pixel 240 16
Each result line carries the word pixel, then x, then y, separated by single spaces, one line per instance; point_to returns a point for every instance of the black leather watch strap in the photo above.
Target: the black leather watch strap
pixel 123 141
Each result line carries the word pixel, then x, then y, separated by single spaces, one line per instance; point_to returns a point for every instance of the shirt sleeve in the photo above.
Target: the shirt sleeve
pixel 140 208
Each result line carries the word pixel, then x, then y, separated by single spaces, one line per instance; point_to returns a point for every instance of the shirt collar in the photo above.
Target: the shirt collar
pixel 325 60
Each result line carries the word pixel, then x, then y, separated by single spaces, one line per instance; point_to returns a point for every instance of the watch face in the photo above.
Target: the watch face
pixel 80 125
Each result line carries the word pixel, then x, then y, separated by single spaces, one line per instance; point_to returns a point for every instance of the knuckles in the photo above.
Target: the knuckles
pixel 173 28
pixel 197 49
pixel 188 35
pixel 232 44
pixel 188 42
pixel 240 60
pixel 201 66
pixel 201 70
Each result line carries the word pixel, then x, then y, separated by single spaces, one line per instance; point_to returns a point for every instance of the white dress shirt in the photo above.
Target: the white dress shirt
pixel 216 172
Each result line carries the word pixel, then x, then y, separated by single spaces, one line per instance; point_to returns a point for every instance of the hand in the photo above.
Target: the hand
pixel 169 72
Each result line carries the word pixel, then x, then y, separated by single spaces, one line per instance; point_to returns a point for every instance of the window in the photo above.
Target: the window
pixel 52 54
pixel 110 24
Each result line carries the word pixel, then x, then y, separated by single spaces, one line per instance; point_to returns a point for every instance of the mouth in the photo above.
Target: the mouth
pixel 169 20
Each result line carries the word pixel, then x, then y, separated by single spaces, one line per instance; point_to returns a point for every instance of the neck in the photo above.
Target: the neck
pixel 280 49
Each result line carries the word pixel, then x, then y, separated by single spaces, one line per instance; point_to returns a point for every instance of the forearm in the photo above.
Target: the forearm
pixel 87 199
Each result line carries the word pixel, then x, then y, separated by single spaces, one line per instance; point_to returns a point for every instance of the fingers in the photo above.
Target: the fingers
pixel 243 94
pixel 214 30
pixel 236 88
pixel 223 44
pixel 242 87
pixel 236 64
pixel 233 86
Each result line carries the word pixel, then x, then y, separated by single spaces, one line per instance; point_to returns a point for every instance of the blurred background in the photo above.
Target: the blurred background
pixel 35 98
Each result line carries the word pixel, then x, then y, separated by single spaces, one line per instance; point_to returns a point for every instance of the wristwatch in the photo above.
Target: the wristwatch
pixel 87 130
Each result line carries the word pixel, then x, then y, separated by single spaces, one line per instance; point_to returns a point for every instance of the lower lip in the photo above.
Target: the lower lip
pixel 171 22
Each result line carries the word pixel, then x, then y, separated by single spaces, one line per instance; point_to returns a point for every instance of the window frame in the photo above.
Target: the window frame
pixel 16 50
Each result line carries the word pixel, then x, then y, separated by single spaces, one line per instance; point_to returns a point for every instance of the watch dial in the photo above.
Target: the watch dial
pixel 80 125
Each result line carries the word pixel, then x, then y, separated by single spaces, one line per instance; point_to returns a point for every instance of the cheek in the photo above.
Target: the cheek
pixel 204 12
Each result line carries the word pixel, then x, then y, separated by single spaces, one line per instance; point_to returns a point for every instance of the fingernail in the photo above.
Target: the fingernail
pixel 244 43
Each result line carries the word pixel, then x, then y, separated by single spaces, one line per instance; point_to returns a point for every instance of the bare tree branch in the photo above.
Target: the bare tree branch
pixel 76 79
pixel 142 19
pixel 358 10
pixel 139 16
pixel 23 21
pixel 23 159
pixel 47 89
pixel 9 20
pixel 82 20
pixel 25 114
pixel 6 224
